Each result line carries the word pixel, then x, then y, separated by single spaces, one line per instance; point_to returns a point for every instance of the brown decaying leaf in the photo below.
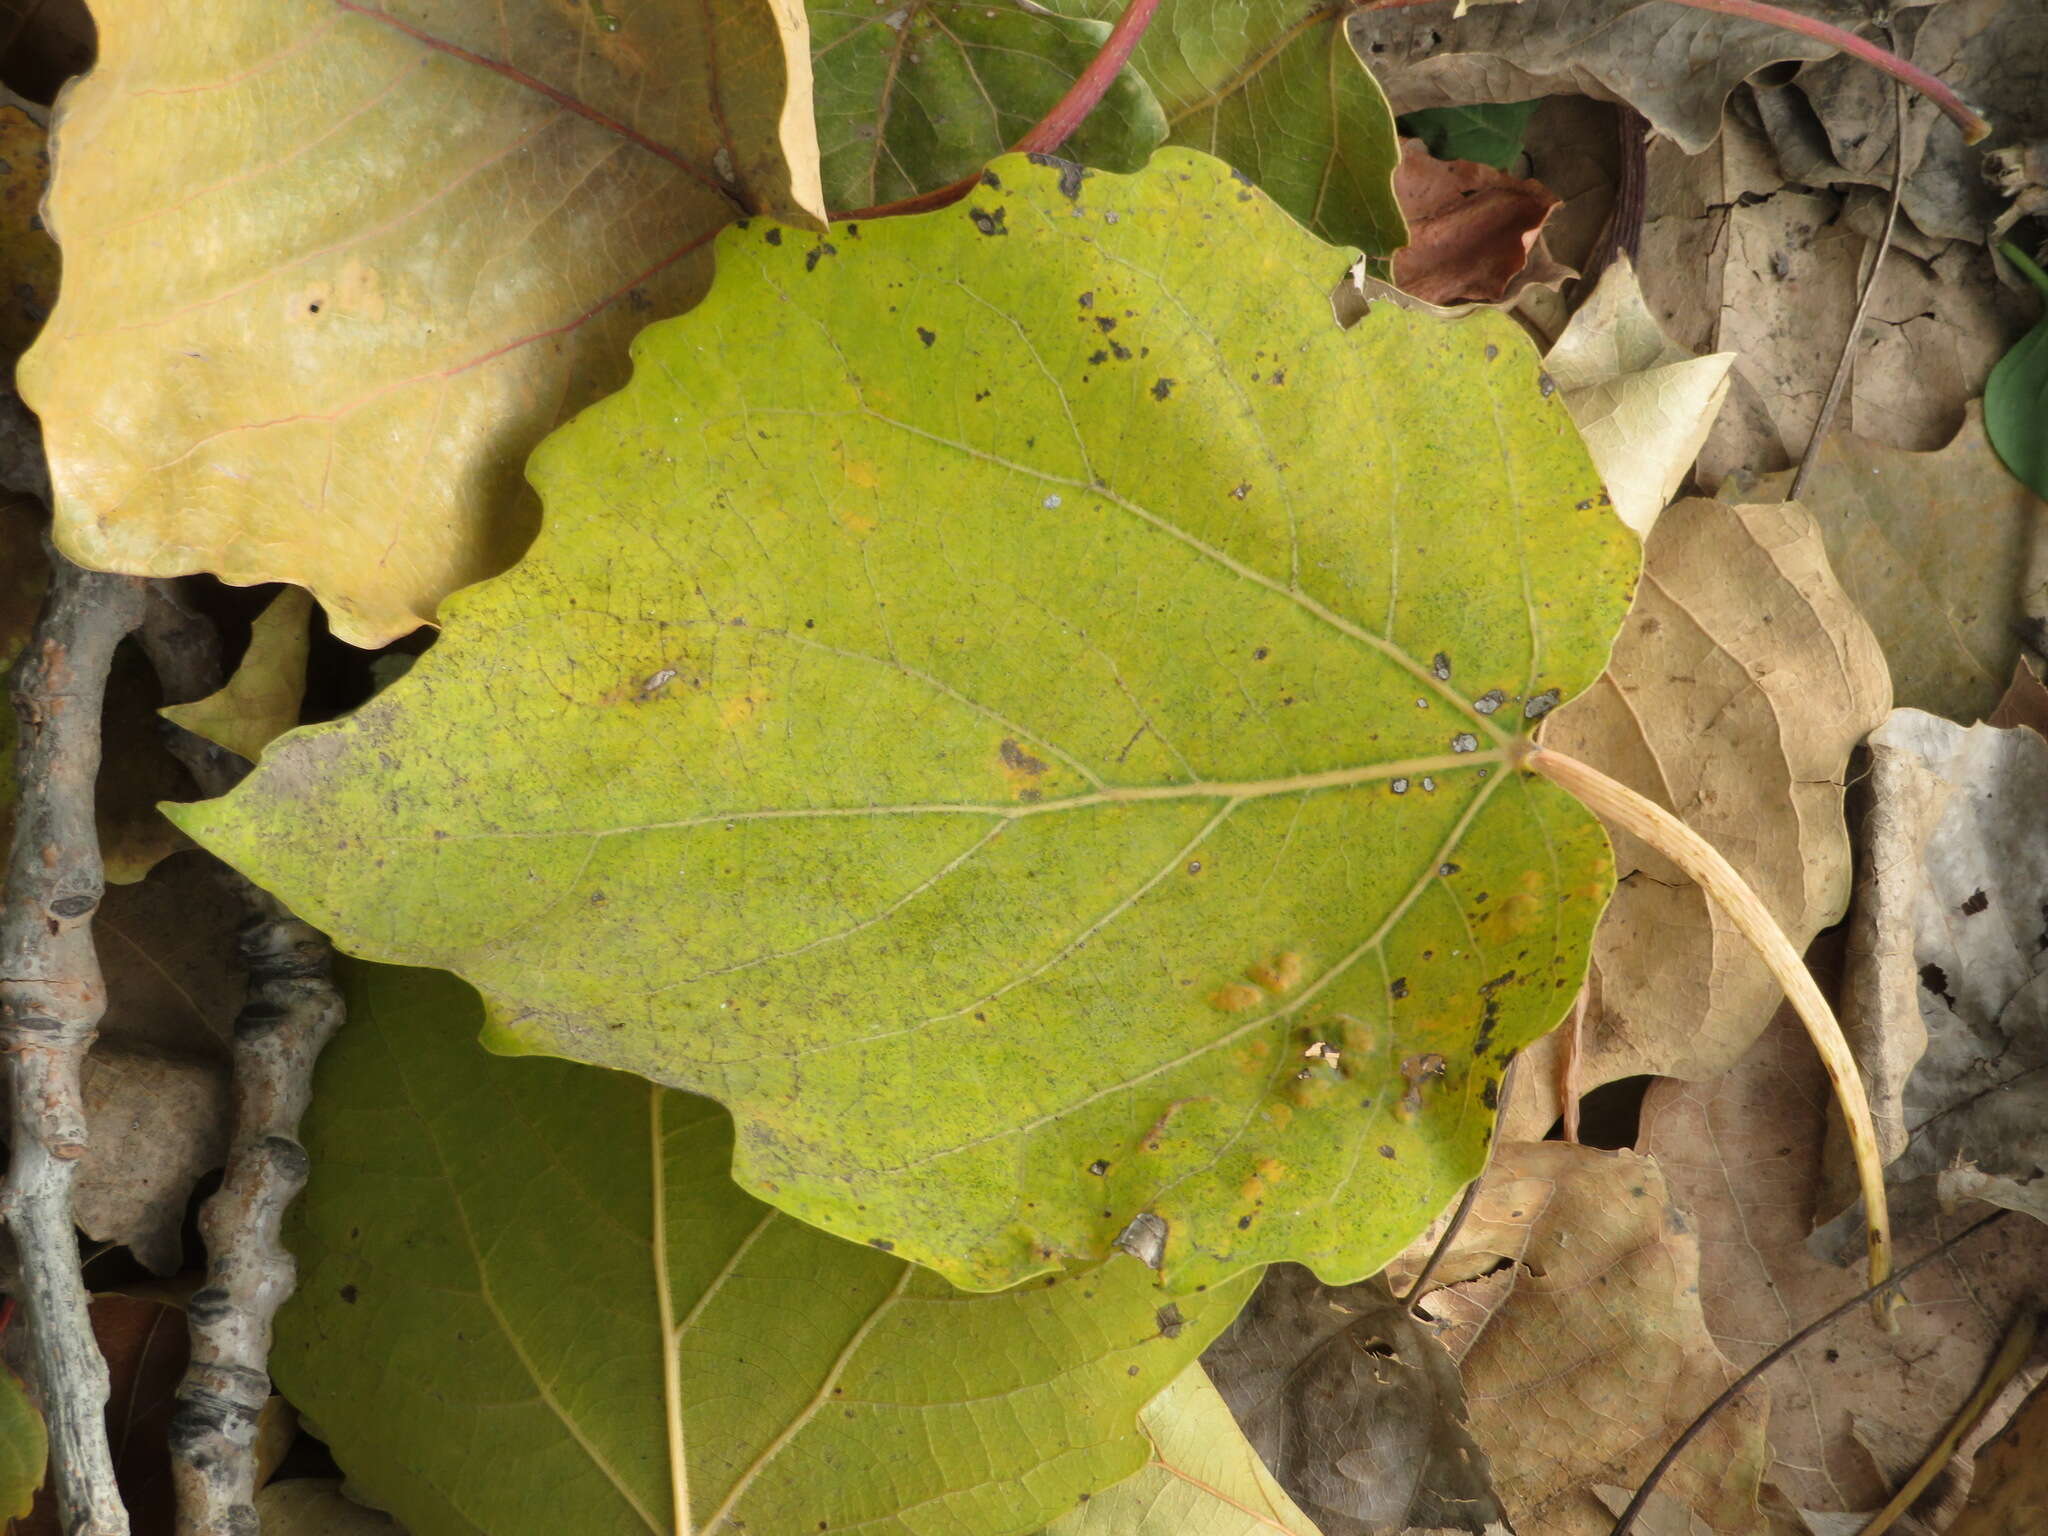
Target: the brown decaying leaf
pixel 1586 1354
pixel 145 1347
pixel 1951 963
pixel 1945 553
pixel 2025 702
pixel 1674 66
pixel 167 953
pixel 1742 1154
pixel 1471 228
pixel 1354 1406
pixel 1835 120
pixel 2009 1493
pixel 28 256
pixel 1741 681
pixel 409 240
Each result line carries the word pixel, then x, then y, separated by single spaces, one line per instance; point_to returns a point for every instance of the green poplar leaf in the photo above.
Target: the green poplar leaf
pixel 491 1253
pixel 2016 394
pixel 912 95
pixel 1489 132
pixel 1017 705
pixel 24 1448
pixel 1277 90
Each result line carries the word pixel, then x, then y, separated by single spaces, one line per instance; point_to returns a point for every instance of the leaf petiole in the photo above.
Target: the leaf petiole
pixel 1621 806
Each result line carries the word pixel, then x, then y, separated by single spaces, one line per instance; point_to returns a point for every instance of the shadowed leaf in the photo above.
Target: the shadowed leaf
pixel 531 1301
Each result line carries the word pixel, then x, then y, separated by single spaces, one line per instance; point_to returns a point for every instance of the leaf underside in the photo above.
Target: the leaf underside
pixel 500 1260
pixel 995 691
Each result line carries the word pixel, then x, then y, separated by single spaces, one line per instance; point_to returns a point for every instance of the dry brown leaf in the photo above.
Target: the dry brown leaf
pixel 144 1342
pixel 157 1124
pixel 1355 1407
pixel 1587 1354
pixel 1742 1154
pixel 1471 228
pixel 1676 67
pixel 1643 404
pixel 1836 120
pixel 173 984
pixel 1949 973
pixel 2009 1493
pixel 1740 683
pixel 1945 553
pixel 261 701
pixel 2025 702
pixel 28 256
pixel 331 271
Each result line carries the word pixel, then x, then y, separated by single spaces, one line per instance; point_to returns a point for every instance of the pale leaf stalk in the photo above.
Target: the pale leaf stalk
pixel 1702 863
pixel 292 1010
pixel 2012 1354
pixel 51 1000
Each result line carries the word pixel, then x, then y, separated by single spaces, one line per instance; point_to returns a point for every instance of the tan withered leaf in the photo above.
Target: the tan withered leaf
pixel 1743 1156
pixel 1471 228
pixel 2009 1494
pixel 1585 1357
pixel 1643 403
pixel 156 1123
pixel 1946 554
pixel 1742 680
pixel 332 267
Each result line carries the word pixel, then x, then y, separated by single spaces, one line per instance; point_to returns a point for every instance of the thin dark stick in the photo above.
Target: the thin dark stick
pixel 1748 1378
pixel 1847 361
pixel 1624 231
pixel 1412 1301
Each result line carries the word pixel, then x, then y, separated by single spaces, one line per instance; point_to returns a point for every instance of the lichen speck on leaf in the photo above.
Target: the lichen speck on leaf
pixel 965 821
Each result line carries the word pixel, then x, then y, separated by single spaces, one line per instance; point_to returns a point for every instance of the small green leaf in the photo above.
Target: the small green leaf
pixel 1204 1478
pixel 1489 133
pixel 994 693
pixel 491 1256
pixel 2016 394
pixel 24 1448
pixel 912 95
pixel 1277 90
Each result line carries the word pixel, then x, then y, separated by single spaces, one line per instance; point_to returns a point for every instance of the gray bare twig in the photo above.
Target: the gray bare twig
pixel 292 1011
pixel 51 1001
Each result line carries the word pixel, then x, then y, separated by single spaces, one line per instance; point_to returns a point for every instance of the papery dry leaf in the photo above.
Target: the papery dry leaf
pixel 1836 121
pixel 1355 1406
pixel 1741 682
pixel 1471 228
pixel 1587 1354
pixel 1946 555
pixel 1742 1153
pixel 157 1124
pixel 1950 957
pixel 165 948
pixel 1643 403
pixel 409 240
pixel 2009 1494
pixel 261 701
pixel 28 256
pixel 2025 702
pixel 1676 67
